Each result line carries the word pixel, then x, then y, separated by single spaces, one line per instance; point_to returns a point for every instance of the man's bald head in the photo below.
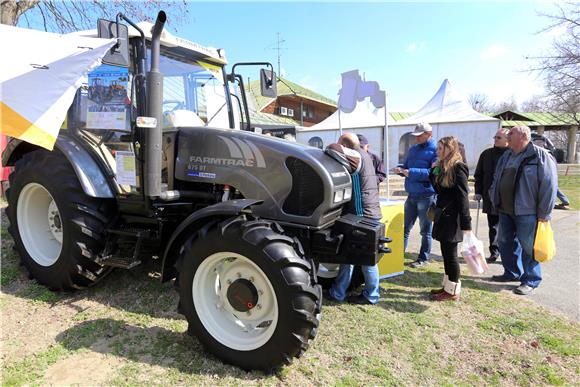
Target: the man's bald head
pixel 349 140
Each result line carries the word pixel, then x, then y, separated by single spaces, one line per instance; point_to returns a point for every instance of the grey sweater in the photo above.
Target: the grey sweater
pixel 535 182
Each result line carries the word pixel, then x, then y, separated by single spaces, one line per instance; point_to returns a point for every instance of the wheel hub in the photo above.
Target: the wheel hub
pixel 242 295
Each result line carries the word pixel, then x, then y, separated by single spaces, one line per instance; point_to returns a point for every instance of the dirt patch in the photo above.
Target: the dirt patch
pixel 82 368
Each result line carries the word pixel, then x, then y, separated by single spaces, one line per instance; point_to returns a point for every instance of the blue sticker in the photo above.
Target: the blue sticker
pixel 201 174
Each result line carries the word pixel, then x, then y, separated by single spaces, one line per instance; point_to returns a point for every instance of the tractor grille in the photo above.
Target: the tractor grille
pixel 307 189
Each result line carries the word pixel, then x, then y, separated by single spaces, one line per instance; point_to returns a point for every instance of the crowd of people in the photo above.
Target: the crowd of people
pixel 516 181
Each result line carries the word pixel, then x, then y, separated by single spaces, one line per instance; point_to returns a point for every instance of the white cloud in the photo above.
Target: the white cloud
pixel 414 47
pixel 494 51
pixel 520 86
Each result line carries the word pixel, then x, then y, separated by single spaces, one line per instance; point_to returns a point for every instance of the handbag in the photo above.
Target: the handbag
pixel 544 244
pixel 434 212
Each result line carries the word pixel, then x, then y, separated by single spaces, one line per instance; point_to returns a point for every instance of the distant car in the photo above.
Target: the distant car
pixel 546 143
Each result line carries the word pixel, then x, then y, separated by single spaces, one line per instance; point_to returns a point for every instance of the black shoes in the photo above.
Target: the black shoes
pixel 503 278
pixel 359 300
pixel 562 206
pixel 418 264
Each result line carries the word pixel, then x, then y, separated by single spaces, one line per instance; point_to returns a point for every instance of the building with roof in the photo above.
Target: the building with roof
pixel 295 105
pixel 540 122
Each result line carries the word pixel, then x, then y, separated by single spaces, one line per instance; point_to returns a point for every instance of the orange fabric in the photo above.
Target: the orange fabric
pixel 15 125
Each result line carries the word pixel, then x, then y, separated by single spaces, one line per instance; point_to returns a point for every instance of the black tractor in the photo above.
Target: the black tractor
pixel 240 221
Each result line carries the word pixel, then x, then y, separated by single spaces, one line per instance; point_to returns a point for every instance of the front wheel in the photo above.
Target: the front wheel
pixel 57 229
pixel 247 294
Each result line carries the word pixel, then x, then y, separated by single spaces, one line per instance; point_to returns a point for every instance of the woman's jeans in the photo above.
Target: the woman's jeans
pixel 342 282
pixel 516 246
pixel 417 207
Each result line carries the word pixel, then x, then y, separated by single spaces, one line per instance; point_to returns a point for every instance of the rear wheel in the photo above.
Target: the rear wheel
pixel 247 294
pixel 57 229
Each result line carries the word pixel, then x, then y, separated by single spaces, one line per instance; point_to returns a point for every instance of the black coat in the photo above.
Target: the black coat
pixel 484 175
pixel 455 205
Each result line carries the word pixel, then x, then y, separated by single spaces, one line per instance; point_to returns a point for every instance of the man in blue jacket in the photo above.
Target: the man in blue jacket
pixel 523 192
pixel 419 189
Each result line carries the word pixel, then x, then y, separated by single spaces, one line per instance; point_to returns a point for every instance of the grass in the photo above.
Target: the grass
pixel 570 185
pixel 128 329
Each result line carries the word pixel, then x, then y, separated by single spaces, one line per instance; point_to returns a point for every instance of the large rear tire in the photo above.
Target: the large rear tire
pixel 248 295
pixel 57 229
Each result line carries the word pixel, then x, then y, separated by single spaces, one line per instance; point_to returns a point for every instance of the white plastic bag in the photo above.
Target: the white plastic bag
pixel 472 252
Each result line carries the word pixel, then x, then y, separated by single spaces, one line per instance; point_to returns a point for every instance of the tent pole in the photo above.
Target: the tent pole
pixel 386 143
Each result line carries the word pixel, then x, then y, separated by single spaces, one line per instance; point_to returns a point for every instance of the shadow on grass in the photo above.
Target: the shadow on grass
pixel 155 346
pixel 136 291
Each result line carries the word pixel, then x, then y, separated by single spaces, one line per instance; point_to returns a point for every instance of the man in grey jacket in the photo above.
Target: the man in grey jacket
pixel 523 192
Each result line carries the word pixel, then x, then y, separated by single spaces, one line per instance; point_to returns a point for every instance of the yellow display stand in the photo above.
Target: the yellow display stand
pixel 392 211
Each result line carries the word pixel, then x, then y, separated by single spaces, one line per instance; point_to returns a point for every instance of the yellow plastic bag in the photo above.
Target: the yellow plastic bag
pixel 544 244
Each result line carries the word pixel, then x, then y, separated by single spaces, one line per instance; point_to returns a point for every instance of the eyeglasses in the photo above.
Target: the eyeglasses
pixel 497 137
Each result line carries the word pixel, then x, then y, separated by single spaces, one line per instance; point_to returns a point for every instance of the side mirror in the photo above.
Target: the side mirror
pixel 268 83
pixel 119 54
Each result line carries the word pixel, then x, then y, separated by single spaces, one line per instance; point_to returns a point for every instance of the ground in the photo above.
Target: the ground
pixel 126 331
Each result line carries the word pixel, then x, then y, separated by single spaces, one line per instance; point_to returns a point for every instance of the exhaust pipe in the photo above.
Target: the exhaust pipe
pixel 153 136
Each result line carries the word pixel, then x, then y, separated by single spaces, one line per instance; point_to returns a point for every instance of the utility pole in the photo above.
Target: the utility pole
pixel 277 47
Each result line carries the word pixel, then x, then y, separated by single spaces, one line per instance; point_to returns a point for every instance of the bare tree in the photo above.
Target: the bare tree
pixel 502 106
pixel 534 104
pixel 479 102
pixel 73 15
pixel 560 69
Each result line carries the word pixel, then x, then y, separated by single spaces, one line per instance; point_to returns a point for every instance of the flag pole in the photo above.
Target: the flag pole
pixel 386 143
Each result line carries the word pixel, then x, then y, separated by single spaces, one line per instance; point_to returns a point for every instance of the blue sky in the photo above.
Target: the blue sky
pixel 409 48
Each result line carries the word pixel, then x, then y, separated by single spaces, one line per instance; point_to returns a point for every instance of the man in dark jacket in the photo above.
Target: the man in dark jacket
pixel 364 202
pixel 483 179
pixel 523 192
pixel 377 162
pixel 420 191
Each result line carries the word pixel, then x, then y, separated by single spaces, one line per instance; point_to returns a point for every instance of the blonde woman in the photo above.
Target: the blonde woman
pixel 449 178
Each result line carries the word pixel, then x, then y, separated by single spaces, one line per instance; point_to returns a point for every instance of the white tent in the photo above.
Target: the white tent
pixel 365 119
pixel 449 114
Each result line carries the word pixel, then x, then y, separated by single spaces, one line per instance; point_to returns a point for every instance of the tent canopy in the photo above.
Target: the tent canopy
pixel 447 105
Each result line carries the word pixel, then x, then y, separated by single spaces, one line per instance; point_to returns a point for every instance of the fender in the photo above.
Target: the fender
pixel 192 223
pixel 90 175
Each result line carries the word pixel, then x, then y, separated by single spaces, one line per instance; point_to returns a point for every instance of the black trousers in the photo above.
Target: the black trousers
pixel 450 260
pixel 493 225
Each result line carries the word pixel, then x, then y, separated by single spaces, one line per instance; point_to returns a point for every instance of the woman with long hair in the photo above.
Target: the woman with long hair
pixel 449 178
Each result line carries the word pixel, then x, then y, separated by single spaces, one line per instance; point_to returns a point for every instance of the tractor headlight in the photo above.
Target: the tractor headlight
pixel 347 193
pixel 338 196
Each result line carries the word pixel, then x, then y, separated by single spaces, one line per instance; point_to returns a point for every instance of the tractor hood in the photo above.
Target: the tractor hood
pixel 298 184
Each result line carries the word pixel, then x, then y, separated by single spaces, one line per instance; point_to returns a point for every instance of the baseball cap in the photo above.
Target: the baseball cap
pixel 362 139
pixel 422 128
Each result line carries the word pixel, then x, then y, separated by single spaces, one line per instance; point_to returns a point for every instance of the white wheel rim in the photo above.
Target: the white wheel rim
pixel 39 224
pixel 243 331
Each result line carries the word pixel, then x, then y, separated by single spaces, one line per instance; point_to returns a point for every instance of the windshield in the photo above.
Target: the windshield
pixel 194 93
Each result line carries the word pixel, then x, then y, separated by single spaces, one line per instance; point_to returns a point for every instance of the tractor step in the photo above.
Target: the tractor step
pixel 120 262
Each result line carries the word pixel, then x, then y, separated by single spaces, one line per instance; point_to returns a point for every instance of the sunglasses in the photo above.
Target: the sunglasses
pixel 497 137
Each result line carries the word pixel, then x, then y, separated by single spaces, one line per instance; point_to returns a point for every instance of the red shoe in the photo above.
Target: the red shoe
pixel 444 296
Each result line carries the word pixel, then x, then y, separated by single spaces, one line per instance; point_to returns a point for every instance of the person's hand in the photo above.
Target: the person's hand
pixel 477 197
pixel 405 172
pixel 434 164
pixel 397 170
pixel 543 220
